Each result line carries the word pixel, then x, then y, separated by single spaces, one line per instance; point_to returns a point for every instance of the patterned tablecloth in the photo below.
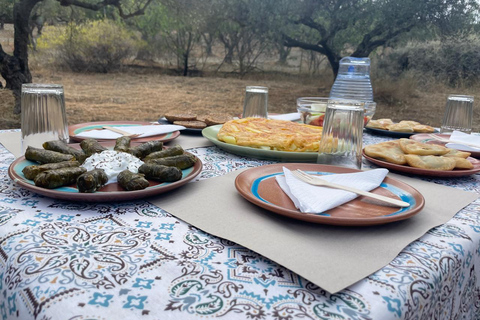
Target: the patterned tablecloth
pixel 66 260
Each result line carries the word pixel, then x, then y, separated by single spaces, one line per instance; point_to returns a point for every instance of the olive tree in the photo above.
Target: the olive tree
pixel 335 28
pixel 14 68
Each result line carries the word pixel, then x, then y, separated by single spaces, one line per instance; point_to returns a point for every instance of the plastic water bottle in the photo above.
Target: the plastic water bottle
pixel 353 80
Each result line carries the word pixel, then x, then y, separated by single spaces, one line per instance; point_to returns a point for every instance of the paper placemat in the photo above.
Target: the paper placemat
pixel 329 256
pixel 11 142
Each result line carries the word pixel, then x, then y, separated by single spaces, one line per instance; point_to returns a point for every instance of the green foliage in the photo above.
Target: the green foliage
pixel 98 46
pixel 454 61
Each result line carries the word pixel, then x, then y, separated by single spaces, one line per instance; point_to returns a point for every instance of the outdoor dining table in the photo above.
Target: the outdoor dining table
pixel 62 259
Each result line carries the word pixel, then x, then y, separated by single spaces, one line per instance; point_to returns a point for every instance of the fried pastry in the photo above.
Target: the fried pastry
pixel 214 119
pixel 195 124
pixel 414 147
pixel 462 163
pixel 180 116
pixel 271 134
pixel 409 123
pixel 457 154
pixel 423 128
pixel 431 162
pixel 379 124
pixel 389 151
pixel 400 127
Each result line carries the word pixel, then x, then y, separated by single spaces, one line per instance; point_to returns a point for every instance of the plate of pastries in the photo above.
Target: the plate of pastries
pixel 410 156
pixel 269 139
pixel 194 123
pixel 402 129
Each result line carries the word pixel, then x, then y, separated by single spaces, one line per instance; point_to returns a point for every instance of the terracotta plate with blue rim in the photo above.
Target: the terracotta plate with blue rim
pixel 109 192
pixel 426 138
pixel 259 186
pixel 427 172
pixel 76 129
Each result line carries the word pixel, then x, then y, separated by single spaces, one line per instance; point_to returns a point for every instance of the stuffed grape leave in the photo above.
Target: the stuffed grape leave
pixel 141 151
pixel 46 156
pixel 130 181
pixel 181 162
pixel 91 181
pixel 62 147
pixel 160 173
pixel 91 146
pixel 122 144
pixel 52 179
pixel 173 151
pixel 30 172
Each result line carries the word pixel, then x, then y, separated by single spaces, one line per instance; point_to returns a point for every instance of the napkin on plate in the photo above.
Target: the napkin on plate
pixel 287 116
pixel 466 138
pixel 315 199
pixel 145 131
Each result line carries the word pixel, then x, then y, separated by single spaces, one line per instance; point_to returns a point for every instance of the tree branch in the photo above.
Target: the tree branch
pixel 290 42
pixel 367 46
pixel 99 5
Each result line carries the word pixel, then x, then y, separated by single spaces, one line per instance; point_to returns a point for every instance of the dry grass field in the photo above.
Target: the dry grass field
pixel 146 93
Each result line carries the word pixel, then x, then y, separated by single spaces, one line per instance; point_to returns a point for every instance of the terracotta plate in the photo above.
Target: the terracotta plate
pixel 427 172
pixel 426 138
pixel 109 192
pixel 81 127
pixel 259 186
pixel 211 134
pixel 393 134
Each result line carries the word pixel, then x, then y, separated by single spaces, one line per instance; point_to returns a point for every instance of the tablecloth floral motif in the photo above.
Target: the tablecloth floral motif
pixel 132 260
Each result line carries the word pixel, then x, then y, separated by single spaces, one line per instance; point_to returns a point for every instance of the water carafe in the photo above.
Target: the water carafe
pixel 353 80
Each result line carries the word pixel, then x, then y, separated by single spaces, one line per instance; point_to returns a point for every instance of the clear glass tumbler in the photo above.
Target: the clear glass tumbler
pixel 43 115
pixel 341 142
pixel 256 102
pixel 458 114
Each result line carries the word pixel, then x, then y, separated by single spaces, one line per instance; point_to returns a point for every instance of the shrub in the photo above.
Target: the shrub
pixel 454 61
pixel 99 46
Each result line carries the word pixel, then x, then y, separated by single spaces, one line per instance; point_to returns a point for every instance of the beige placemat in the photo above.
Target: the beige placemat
pixel 11 142
pixel 188 141
pixel 331 257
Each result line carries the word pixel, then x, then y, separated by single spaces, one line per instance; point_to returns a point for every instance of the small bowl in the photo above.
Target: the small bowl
pixel 315 115
pixel 312 110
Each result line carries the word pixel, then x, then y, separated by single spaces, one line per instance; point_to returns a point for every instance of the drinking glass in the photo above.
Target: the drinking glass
pixel 256 102
pixel 43 114
pixel 341 142
pixel 458 114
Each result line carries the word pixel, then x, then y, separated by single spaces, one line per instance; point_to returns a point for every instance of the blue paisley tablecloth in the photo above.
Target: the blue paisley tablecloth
pixel 66 260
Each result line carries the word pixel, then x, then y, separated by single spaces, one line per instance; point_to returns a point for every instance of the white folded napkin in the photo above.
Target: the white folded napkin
pixel 287 116
pixel 315 199
pixel 466 138
pixel 145 131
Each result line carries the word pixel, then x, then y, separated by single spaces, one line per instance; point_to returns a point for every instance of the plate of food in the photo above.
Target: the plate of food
pixel 96 171
pixel 413 157
pixel 427 138
pixel 194 123
pixel 402 129
pixel 75 131
pixel 259 186
pixel 268 139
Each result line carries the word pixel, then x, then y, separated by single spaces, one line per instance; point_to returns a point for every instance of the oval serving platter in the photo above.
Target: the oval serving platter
pixel 75 130
pixel 258 185
pixel 109 192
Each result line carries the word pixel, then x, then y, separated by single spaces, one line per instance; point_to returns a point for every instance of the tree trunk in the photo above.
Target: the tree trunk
pixel 14 69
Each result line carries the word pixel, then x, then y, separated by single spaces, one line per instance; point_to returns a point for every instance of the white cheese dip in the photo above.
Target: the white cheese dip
pixel 113 162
